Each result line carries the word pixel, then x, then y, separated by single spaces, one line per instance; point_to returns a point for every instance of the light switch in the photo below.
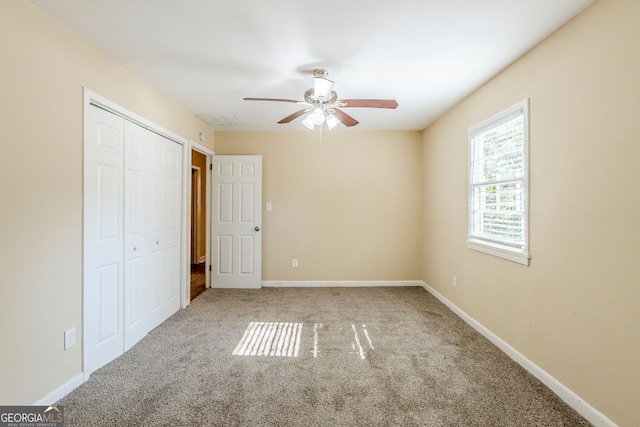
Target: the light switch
pixel 269 206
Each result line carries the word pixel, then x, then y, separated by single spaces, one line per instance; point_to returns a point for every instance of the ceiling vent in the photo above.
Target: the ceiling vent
pixel 220 120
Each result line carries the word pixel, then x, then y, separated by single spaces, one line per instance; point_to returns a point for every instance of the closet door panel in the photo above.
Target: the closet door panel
pixel 173 174
pixel 103 239
pixel 172 238
pixel 136 231
pixel 156 242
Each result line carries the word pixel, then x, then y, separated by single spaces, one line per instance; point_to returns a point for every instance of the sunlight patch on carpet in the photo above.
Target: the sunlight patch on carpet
pixel 356 345
pixel 281 339
pixel 316 328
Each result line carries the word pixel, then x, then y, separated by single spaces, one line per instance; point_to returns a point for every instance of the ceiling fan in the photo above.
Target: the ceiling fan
pixel 323 105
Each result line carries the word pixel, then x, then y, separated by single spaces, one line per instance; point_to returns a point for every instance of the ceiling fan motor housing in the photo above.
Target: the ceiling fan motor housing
pixel 311 98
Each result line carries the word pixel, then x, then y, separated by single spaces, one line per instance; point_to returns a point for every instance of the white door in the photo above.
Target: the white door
pixel 173 223
pixel 137 262
pixel 103 239
pixel 157 226
pixel 236 239
pixel 165 228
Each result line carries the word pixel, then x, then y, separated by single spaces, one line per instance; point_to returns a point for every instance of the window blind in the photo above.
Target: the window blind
pixel 497 182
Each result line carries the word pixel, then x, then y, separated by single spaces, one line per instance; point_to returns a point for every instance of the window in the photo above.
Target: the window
pixel 498 184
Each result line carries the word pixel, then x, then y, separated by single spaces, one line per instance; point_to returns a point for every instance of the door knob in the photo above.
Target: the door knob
pixel 257 228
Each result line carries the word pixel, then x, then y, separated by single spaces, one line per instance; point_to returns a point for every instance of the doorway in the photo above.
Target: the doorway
pixel 199 253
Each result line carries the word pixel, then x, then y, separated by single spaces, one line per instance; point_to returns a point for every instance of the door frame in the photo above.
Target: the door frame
pixel 91 98
pixel 192 145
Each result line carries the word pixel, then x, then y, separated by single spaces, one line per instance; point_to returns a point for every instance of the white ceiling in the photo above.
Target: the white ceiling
pixel 209 54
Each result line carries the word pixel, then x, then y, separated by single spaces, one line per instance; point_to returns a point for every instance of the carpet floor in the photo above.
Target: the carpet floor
pixel 315 357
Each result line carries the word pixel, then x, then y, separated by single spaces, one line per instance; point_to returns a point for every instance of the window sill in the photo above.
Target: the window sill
pixel 499 251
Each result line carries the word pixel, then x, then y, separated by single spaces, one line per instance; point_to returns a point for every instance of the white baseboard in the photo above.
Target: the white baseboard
pixel 61 391
pixel 338 284
pixel 592 415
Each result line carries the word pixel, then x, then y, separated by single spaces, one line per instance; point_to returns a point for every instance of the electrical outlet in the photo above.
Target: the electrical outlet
pixel 455 282
pixel 69 338
pixel 294 263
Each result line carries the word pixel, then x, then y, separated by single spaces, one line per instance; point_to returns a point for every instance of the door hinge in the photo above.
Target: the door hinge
pixel 209 267
pixel 210 166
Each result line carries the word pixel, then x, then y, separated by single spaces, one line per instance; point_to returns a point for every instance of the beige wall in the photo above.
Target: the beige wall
pixel 347 206
pixel 575 311
pixel 43 68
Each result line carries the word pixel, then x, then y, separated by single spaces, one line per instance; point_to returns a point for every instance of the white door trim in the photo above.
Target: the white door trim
pixel 91 98
pixel 104 103
pixel 201 148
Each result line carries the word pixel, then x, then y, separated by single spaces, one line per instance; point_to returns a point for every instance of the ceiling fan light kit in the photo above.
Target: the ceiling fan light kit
pixel 331 121
pixel 323 104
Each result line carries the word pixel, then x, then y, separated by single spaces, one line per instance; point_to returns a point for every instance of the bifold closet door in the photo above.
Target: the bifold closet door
pixel 156 233
pixel 165 226
pixel 133 200
pixel 103 239
pixel 173 223
pixel 137 245
pixel 152 206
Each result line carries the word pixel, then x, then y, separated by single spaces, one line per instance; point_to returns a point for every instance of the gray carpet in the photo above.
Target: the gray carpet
pixel 365 357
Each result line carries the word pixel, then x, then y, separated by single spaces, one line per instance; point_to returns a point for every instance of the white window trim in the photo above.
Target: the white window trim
pixel 522 255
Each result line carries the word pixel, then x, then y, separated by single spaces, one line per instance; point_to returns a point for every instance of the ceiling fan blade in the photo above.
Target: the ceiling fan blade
pixel 346 119
pixel 274 99
pixel 369 103
pixel 293 116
